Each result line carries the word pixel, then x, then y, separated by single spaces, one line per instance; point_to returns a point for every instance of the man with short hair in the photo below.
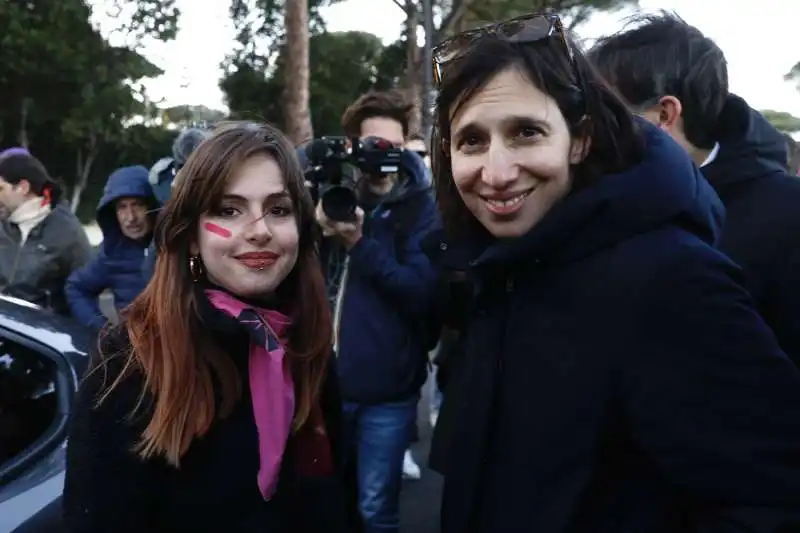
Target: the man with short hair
pixel 676 78
pixel 125 214
pixel 382 286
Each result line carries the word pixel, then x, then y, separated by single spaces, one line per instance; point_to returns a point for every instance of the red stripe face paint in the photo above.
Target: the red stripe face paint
pixel 218 230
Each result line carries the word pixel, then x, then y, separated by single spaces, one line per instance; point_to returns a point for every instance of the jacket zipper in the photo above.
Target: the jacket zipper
pixel 15 266
pixel 337 313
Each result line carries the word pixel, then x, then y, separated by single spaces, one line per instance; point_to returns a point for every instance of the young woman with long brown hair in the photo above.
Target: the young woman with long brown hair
pixel 212 406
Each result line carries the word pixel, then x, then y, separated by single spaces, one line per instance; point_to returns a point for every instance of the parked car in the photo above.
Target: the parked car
pixel 42 357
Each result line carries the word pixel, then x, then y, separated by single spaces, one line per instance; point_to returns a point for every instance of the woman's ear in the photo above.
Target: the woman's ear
pixel 194 249
pixel 579 149
pixel 581 142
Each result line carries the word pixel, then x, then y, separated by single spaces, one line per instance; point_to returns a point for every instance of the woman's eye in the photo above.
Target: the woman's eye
pixel 227 212
pixel 469 143
pixel 280 211
pixel 529 132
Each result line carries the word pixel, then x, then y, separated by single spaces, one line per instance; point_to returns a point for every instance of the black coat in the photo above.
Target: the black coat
pixel 110 490
pixel 762 228
pixel 618 378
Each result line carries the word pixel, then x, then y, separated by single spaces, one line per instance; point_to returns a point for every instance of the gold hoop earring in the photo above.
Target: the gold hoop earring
pixel 195 268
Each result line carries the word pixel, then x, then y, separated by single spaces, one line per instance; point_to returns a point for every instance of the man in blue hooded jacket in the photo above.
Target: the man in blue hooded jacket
pixel 125 215
pixel 381 286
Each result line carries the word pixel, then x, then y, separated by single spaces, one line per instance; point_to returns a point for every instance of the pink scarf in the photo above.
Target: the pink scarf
pixel 271 385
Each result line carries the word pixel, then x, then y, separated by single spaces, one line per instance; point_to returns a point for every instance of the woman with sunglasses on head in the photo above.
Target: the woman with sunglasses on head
pixel 212 407
pixel 617 377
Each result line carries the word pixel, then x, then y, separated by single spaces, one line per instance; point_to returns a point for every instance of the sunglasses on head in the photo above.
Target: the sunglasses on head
pixel 525 29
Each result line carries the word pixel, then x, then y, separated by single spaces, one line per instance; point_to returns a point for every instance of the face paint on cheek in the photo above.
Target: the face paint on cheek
pixel 218 230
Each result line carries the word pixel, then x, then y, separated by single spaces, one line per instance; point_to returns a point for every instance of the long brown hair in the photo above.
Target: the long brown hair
pixel 183 368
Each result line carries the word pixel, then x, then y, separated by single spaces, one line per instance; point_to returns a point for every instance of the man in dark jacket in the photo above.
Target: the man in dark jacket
pixel 676 78
pixel 125 215
pixel 42 241
pixel 381 286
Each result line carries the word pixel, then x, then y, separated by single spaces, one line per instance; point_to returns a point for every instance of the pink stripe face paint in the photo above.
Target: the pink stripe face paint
pixel 218 230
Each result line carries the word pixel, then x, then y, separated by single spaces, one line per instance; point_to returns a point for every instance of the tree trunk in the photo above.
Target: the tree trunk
pixel 83 168
pixel 412 81
pixel 23 122
pixel 296 92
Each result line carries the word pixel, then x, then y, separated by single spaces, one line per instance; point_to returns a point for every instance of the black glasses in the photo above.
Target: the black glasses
pixel 525 29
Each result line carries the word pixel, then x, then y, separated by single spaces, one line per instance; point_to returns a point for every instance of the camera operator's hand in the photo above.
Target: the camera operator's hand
pixel 347 233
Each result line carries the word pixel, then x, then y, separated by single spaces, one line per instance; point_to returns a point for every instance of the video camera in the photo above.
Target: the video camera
pixel 329 158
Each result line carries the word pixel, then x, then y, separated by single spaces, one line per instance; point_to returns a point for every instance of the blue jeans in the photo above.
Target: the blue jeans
pixel 376 437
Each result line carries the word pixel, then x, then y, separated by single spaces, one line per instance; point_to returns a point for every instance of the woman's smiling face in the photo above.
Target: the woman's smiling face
pixel 250 244
pixel 511 152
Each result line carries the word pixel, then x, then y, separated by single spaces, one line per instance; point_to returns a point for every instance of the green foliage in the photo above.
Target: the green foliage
pixel 343 65
pixel 782 121
pixel 68 93
pixel 143 18
pixel 793 75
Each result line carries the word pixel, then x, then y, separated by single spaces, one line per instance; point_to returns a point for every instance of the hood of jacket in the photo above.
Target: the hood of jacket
pixel 664 188
pixel 125 182
pixel 749 146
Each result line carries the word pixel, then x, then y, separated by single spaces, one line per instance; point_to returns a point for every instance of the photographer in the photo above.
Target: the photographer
pixel 381 286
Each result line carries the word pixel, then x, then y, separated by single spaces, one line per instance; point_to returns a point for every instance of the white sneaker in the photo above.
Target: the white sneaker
pixel 411 469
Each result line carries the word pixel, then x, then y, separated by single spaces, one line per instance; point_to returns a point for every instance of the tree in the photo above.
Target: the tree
pixel 106 103
pixel 191 115
pixel 137 20
pixel 782 121
pixel 342 65
pixel 262 35
pixel 295 95
pixel 67 92
pixel 460 15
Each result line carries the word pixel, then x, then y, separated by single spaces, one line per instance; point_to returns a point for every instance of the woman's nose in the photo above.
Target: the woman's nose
pixel 501 169
pixel 258 230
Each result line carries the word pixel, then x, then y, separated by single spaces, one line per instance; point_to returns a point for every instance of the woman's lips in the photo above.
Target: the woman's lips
pixel 258 260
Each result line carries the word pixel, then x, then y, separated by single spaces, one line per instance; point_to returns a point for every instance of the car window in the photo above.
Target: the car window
pixel 28 400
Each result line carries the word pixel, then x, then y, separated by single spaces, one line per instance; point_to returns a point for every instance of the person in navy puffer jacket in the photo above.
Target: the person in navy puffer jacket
pixel 126 215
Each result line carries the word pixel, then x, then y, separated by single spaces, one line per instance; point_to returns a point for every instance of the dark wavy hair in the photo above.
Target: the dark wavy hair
pixel 18 166
pixel 590 109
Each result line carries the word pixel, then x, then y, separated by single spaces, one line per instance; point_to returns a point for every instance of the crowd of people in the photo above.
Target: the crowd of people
pixel 600 246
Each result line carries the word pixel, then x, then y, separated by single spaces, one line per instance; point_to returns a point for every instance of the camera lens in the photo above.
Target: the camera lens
pixel 339 204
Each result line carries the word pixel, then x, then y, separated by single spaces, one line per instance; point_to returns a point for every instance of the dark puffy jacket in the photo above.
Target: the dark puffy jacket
pixel 118 265
pixel 763 220
pixel 617 376
pixel 36 270
pixel 384 290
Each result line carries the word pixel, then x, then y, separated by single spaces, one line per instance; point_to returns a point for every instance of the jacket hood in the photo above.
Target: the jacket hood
pixel 749 147
pixel 664 188
pixel 415 178
pixel 125 182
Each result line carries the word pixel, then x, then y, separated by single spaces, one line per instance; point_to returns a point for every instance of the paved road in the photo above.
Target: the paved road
pixel 419 505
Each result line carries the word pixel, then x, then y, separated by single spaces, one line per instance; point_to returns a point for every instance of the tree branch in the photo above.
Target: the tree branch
pixel 398 4
pixel 456 13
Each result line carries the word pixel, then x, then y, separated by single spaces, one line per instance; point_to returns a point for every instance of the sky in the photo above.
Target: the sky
pixel 760 41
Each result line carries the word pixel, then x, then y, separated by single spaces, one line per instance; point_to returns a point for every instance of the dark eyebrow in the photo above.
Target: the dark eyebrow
pixel 511 120
pixel 274 196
